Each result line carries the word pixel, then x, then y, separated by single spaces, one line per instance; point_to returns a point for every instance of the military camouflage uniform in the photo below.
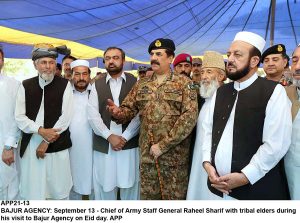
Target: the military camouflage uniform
pixel 168 114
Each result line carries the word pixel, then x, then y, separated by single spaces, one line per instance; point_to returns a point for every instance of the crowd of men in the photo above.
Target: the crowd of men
pixel 170 134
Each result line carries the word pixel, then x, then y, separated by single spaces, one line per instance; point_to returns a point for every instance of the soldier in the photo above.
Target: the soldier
pixel 275 60
pixel 183 64
pixel 197 64
pixel 168 110
pixel 142 70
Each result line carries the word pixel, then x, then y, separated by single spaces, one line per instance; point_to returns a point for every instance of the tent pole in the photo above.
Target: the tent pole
pixel 273 2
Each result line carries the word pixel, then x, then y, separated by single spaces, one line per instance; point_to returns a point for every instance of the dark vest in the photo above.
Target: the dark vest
pixel 247 138
pixel 103 90
pixel 53 98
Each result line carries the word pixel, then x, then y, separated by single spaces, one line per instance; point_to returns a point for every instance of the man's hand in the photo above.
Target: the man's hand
pixel 41 150
pixel 235 180
pixel 155 151
pixel 8 156
pixel 214 178
pixel 117 142
pixel 51 135
pixel 114 110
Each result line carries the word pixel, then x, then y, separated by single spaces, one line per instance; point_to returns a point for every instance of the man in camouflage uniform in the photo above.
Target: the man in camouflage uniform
pixel 168 110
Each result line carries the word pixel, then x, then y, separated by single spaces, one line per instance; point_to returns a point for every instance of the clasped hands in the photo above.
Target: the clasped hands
pixel 225 183
pixel 117 142
pixel 49 135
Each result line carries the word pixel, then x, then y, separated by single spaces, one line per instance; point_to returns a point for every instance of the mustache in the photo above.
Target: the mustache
pixel 230 64
pixel 154 62
pixel 83 81
pixel 183 72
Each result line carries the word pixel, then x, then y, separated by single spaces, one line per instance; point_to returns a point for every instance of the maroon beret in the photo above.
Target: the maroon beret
pixel 183 57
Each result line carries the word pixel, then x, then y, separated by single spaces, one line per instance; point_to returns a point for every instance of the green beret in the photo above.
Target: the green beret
pixel 162 44
pixel 276 49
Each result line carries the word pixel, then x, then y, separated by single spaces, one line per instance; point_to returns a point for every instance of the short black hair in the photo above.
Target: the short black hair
pixel 255 52
pixel 58 66
pixel 170 52
pixel 115 48
pixel 68 57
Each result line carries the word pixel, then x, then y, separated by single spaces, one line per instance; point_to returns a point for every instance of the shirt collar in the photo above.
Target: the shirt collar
pixel 153 77
pixel 43 83
pixel 242 85
pixel 108 77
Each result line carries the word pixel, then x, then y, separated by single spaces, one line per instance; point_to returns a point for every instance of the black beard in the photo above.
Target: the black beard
pixel 81 87
pixel 234 76
pixel 114 71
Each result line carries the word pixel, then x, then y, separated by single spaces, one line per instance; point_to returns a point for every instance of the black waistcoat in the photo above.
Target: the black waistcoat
pixel 53 98
pixel 247 138
pixel 103 90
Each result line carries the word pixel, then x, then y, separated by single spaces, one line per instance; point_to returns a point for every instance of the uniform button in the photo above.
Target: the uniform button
pixel 219 132
pixel 233 93
pixel 223 118
pixel 228 106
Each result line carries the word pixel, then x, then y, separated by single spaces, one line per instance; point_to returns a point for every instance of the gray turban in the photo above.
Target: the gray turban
pixel 39 52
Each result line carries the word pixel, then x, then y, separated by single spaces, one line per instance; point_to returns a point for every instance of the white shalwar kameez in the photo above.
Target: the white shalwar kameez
pixel 81 152
pixel 292 160
pixel 197 189
pixel 276 135
pixel 48 178
pixel 9 136
pixel 117 169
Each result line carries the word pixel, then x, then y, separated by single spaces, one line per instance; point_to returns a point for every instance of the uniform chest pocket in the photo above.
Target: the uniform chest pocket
pixel 144 95
pixel 173 95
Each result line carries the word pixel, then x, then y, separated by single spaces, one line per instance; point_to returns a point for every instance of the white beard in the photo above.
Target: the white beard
pixel 207 91
pixel 47 77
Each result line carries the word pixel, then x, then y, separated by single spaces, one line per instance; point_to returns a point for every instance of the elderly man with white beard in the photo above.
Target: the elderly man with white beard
pixel 212 76
pixel 292 158
pixel 43 113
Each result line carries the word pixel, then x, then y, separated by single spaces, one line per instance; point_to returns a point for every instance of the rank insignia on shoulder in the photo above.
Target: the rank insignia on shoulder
pixel 146 90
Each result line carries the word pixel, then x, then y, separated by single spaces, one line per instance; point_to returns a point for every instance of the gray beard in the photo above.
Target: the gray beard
pixel 207 91
pixel 47 77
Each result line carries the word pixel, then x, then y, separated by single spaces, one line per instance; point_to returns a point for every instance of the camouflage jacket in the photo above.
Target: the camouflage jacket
pixel 168 114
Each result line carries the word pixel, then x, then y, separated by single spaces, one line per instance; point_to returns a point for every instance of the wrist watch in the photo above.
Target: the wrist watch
pixel 46 141
pixel 7 147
